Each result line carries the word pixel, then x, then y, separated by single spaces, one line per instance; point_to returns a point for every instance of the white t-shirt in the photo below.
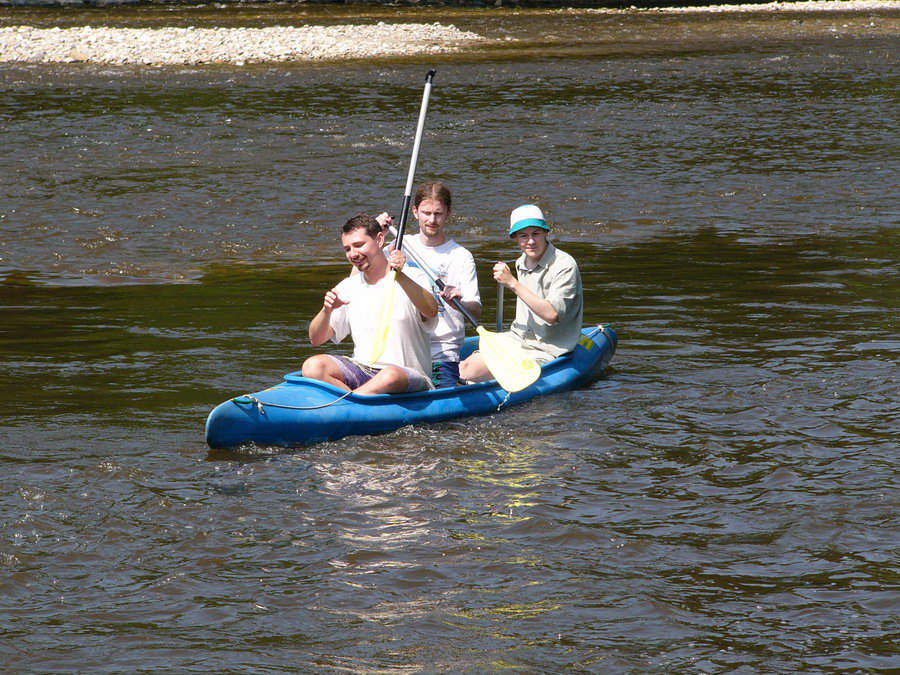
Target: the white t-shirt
pixel 409 338
pixel 455 266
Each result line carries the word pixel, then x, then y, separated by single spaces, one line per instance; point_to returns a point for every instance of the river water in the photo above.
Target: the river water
pixel 724 499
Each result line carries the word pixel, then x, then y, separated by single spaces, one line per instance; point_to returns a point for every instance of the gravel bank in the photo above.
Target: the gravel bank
pixel 193 46
pixel 807 6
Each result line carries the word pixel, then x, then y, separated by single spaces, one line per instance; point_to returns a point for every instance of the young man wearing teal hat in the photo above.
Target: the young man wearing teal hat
pixel 550 299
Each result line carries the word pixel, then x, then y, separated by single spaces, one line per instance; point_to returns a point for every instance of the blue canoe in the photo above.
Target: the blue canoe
pixel 300 411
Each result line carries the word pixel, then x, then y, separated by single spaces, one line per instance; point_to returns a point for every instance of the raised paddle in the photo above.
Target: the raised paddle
pixel 508 362
pixel 386 311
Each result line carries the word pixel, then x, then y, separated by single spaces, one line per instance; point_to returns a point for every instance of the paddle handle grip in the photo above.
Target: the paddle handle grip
pixel 398 242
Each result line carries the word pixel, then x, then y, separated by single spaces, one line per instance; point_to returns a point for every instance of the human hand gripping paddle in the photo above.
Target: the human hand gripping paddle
pixel 386 311
pixel 508 362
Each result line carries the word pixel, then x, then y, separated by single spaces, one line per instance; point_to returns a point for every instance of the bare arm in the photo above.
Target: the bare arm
pixel 473 306
pixel 543 308
pixel 451 292
pixel 421 298
pixel 320 329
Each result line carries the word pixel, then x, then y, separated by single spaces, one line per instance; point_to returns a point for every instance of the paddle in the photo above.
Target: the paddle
pixel 508 362
pixel 386 311
pixel 500 288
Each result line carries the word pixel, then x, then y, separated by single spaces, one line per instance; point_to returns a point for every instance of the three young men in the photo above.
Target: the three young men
pixel 549 308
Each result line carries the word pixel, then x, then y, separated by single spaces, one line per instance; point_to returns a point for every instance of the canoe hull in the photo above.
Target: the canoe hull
pixel 300 411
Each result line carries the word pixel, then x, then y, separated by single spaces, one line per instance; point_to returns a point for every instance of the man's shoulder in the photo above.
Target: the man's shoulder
pixel 456 250
pixel 448 247
pixel 560 258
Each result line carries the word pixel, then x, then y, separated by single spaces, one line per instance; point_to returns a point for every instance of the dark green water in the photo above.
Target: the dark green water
pixel 725 499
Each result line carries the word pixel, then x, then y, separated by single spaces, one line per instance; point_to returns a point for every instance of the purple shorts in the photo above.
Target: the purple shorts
pixel 357 374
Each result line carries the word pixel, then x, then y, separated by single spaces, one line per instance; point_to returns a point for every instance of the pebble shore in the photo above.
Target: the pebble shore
pixel 803 6
pixel 194 46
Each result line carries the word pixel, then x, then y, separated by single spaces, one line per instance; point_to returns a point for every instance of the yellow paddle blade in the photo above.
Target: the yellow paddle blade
pixel 508 362
pixel 385 312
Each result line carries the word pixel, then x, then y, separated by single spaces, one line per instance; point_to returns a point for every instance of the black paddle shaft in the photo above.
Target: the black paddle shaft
pixel 401 228
pixel 458 304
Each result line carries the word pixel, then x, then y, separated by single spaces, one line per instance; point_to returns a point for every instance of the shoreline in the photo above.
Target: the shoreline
pixel 190 46
pixel 775 6
pixel 239 46
pixel 769 7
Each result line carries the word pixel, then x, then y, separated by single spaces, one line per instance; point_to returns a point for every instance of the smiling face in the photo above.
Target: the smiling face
pixel 532 241
pixel 432 216
pixel 362 250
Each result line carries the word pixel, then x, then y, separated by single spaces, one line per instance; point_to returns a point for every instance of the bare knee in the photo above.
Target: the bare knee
pixel 317 367
pixel 473 369
pixel 394 379
pixel 389 380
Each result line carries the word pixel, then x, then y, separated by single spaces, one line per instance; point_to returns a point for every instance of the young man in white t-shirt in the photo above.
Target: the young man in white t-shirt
pixel 352 308
pixel 452 264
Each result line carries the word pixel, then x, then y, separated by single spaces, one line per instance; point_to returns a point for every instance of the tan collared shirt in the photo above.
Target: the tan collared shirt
pixel 556 279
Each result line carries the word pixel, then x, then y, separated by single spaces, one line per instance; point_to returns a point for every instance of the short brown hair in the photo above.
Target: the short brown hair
pixel 436 190
pixel 365 221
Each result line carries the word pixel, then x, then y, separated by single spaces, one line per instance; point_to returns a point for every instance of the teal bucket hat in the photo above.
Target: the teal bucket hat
pixel 526 216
